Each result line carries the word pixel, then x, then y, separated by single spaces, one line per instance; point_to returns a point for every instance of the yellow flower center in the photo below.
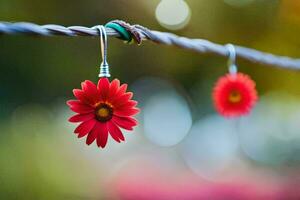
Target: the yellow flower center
pixel 104 112
pixel 235 97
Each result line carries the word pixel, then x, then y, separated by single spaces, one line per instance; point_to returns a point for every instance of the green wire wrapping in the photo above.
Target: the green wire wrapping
pixel 124 34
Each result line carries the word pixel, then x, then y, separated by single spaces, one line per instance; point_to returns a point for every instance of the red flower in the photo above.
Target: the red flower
pixel 234 95
pixel 102 109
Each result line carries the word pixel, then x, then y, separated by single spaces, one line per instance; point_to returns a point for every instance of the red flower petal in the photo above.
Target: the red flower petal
pixel 115 132
pixel 85 127
pixel 79 107
pixel 90 90
pixel 91 137
pixel 122 89
pixel 80 95
pixel 125 122
pixel 122 99
pixel 126 112
pixel 102 134
pixel 103 87
pixel 120 92
pixel 81 117
pixel 113 89
pixel 127 104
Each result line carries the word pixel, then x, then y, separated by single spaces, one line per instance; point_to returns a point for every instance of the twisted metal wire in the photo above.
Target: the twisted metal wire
pixel 198 45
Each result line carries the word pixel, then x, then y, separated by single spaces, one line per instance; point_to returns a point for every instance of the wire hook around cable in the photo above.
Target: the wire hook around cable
pixel 104 67
pixel 232 67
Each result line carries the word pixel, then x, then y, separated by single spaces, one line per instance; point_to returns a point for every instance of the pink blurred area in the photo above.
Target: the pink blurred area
pixel 147 182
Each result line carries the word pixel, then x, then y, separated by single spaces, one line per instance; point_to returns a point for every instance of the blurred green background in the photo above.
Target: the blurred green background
pixel 40 157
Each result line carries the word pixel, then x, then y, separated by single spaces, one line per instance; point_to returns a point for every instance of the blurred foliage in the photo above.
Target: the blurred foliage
pixel 37 158
pixel 42 69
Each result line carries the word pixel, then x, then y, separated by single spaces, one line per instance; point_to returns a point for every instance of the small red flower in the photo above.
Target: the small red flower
pixel 234 95
pixel 102 109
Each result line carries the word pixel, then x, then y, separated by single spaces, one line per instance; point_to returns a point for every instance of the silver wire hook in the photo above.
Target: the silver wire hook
pixel 104 67
pixel 232 67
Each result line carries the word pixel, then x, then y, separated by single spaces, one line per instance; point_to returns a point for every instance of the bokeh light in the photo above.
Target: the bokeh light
pixel 267 134
pixel 173 14
pixel 211 146
pixel 162 123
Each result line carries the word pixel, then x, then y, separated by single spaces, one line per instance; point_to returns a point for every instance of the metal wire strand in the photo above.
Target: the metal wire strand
pixel 232 67
pixel 198 45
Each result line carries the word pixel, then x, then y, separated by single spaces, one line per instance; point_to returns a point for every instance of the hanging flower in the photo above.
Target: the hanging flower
pixel 103 110
pixel 234 95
